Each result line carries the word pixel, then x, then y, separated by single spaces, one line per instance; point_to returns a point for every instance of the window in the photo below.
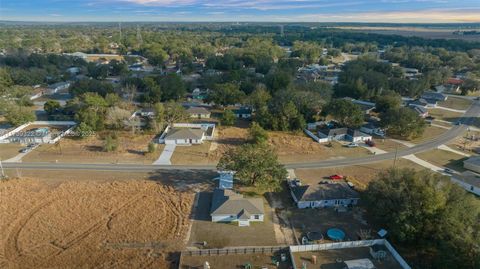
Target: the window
pixel 257 216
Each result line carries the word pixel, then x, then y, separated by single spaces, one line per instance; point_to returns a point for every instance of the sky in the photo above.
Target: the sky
pixel 396 11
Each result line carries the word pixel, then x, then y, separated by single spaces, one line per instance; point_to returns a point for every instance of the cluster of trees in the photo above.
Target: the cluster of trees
pixel 425 212
pixel 255 163
pixel 15 104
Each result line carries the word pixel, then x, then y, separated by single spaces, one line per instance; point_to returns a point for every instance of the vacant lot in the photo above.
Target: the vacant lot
pixel 131 149
pixel 8 151
pixel 218 235
pixel 430 132
pixel 442 114
pixel 443 158
pixel 456 103
pixel 91 224
pixel 292 148
pixel 360 175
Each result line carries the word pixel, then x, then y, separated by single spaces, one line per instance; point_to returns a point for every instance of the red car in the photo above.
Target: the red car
pixel 371 143
pixel 337 177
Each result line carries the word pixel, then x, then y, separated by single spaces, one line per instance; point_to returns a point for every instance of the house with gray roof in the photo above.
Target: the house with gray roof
pixel 229 206
pixel 346 134
pixel 185 136
pixel 434 96
pixel 327 193
pixel 198 112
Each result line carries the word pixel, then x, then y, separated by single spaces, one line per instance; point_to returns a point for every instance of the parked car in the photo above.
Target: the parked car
pixel 352 145
pixel 370 142
pixel 448 171
pixel 25 150
pixel 336 177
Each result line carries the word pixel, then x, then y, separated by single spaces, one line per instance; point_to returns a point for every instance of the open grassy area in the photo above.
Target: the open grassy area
pixel 194 154
pixel 430 132
pixel 456 103
pixel 292 148
pixel 360 175
pixel 442 114
pixel 388 145
pixel 9 150
pixel 132 148
pixel 443 158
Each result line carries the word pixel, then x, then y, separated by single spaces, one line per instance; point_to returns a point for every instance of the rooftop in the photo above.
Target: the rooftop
pixel 227 202
pixel 325 191
pixel 197 110
pixel 185 133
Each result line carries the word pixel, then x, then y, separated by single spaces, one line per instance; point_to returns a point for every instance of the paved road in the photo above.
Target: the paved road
pixel 472 113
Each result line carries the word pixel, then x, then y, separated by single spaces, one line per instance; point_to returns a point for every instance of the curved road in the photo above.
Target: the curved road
pixel 468 118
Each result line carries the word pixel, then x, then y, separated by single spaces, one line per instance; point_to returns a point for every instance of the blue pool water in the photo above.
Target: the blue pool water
pixel 335 234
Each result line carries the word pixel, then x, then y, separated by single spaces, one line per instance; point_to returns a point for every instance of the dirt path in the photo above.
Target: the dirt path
pixel 281 224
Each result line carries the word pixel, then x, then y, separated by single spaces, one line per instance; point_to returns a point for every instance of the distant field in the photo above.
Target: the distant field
pixel 414 31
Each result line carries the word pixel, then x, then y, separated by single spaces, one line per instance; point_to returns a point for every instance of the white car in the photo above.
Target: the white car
pixel 352 145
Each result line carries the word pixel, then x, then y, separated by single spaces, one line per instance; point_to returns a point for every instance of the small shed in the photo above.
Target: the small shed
pixel 359 264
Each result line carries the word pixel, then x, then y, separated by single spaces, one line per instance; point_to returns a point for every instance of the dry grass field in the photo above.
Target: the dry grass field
pixel 8 151
pixel 131 149
pixel 456 103
pixel 91 224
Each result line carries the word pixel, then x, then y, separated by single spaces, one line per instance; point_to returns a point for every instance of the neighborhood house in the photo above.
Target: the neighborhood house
pixel 198 112
pixel 243 113
pixel 187 134
pixel 228 206
pixel 54 88
pixel 327 193
pixel 346 134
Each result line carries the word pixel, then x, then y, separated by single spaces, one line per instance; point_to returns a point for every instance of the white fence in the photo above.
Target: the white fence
pixel 161 139
pixel 349 244
pixel 316 138
pixel 58 123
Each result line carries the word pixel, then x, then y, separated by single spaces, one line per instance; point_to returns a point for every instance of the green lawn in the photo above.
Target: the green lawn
pixel 456 103
pixel 443 158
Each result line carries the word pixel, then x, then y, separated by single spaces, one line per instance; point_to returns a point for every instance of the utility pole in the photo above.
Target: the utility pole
pixel 1 168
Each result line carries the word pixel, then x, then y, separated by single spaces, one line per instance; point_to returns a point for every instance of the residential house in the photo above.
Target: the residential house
pixel 54 88
pixel 371 128
pixel 468 180
pixel 37 136
pixel 430 95
pixel 366 106
pixel 421 111
pixel 346 134
pixel 187 134
pixel 243 113
pixel 328 193
pixel 472 164
pixel 425 103
pixel 198 112
pixel 73 70
pixel 228 206
pixel 146 112
pixel 199 94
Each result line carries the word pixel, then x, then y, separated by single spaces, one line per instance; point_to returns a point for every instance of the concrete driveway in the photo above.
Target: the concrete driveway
pixel 166 155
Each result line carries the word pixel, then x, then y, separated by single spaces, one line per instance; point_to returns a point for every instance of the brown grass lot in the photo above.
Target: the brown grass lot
pixel 388 145
pixel 360 175
pixel 443 158
pixel 430 132
pixel 441 114
pixel 293 148
pixel 90 224
pixel 456 103
pixel 8 151
pixel 132 149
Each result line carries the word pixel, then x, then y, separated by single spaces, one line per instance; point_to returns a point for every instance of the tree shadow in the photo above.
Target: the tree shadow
pixel 185 180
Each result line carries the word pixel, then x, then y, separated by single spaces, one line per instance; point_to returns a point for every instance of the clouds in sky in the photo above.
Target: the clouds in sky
pixel 246 10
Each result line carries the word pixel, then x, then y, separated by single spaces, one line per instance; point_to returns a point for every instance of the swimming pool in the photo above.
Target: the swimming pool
pixel 335 234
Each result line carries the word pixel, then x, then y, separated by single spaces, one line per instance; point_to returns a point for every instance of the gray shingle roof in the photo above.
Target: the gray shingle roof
pixel 197 110
pixel 184 133
pixel 227 202
pixel 330 191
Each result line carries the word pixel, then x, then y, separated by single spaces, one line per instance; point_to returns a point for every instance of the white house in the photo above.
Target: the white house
pixel 187 133
pixel 228 206
pixel 327 193
pixel 346 134
pixel 54 88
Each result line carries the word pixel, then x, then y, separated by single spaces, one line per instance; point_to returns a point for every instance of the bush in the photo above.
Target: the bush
pixel 152 147
pixel 228 118
pixel 111 143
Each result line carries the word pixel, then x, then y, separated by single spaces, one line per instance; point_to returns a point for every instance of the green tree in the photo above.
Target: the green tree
pixel 255 165
pixel 111 143
pixel 403 122
pixel 51 106
pixel 345 112
pixel 259 98
pixel 256 134
pixel 18 115
pixel 228 118
pixel 388 100
pixel 172 87
pixel 426 212
pixel 152 147
pixel 226 94
pixel 175 112
pixel 278 80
